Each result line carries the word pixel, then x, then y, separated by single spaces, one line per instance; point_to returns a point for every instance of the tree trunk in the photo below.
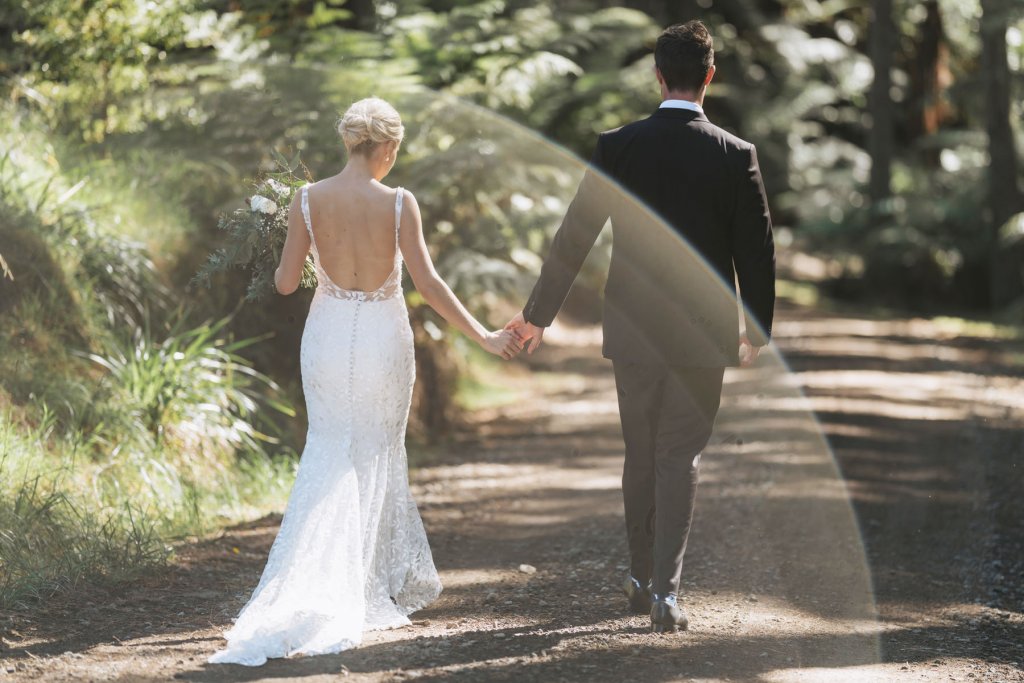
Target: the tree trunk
pixel 880 135
pixel 434 410
pixel 364 14
pixel 1003 195
pixel 930 78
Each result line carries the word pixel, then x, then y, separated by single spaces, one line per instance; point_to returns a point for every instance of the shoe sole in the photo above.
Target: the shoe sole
pixel 668 628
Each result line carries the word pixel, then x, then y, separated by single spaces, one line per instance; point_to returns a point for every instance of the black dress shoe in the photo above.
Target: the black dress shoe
pixel 639 595
pixel 667 616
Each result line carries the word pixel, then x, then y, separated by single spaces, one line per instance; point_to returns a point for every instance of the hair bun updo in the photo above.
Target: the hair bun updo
pixel 368 123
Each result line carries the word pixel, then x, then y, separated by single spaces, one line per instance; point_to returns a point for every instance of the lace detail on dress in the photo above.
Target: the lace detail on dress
pixel 352 554
pixel 392 286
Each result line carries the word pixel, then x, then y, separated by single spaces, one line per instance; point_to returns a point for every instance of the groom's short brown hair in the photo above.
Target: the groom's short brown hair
pixel 684 54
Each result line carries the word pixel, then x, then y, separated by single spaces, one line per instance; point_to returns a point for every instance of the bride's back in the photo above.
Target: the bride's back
pixel 353 226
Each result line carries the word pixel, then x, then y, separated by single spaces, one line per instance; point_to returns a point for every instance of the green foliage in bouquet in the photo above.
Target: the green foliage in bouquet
pixel 256 233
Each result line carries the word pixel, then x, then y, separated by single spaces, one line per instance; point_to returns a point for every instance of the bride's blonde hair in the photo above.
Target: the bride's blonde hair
pixel 368 123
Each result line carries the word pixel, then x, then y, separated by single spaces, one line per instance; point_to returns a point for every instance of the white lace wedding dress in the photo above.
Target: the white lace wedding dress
pixel 352 554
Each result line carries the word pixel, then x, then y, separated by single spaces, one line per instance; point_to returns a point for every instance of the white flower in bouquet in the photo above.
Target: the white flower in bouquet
pixel 256 233
pixel 262 205
pixel 278 187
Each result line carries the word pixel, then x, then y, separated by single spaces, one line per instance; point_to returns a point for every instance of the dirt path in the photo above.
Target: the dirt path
pixel 925 428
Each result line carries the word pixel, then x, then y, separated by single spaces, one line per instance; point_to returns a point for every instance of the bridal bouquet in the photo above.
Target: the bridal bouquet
pixel 256 233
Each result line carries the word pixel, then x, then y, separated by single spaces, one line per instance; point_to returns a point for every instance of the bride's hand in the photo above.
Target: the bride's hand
pixel 502 343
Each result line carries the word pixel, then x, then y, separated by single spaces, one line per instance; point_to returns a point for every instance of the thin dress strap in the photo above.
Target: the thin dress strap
pixel 309 223
pixel 398 214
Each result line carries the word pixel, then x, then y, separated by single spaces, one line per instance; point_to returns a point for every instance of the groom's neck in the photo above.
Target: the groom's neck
pixel 688 95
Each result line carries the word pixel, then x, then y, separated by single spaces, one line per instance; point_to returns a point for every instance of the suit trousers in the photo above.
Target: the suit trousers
pixel 667 415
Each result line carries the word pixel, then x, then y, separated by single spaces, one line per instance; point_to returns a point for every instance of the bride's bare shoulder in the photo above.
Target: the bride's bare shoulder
pixel 323 183
pixel 316 187
pixel 388 190
pixel 408 197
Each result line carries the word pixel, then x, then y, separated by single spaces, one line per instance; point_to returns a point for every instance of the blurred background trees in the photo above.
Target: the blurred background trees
pixel 888 132
pixel 865 112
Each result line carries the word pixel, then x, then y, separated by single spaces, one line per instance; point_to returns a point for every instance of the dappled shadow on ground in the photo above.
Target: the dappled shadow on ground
pixel 925 423
pixel 632 655
pixel 926 430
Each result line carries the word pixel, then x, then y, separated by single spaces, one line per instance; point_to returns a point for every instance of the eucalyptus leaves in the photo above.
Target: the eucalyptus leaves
pixel 256 233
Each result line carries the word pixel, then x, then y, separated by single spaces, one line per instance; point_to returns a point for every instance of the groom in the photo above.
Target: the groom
pixel 671 324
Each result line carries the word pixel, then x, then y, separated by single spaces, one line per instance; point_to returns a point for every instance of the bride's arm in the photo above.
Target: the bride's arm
pixel 293 255
pixel 436 291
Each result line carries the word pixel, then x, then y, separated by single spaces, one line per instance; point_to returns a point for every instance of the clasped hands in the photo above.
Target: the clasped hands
pixel 513 338
pixel 510 341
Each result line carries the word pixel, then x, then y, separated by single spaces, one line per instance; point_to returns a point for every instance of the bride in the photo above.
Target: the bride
pixel 352 554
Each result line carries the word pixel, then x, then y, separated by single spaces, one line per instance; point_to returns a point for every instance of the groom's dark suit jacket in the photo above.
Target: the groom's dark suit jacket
pixel 671 175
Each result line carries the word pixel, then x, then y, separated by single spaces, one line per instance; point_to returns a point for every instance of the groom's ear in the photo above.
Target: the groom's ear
pixel 711 74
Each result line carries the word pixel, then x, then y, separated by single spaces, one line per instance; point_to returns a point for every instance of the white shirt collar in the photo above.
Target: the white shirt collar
pixel 681 104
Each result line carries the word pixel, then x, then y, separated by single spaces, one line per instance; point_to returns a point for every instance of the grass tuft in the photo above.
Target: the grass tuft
pixel 124 426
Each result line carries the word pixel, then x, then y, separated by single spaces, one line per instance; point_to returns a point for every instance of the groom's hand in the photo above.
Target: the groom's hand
pixel 748 352
pixel 526 331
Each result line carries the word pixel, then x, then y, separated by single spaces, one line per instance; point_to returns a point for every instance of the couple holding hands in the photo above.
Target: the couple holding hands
pixel 689 217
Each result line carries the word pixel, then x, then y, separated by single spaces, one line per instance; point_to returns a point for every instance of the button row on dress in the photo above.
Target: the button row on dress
pixel 352 359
